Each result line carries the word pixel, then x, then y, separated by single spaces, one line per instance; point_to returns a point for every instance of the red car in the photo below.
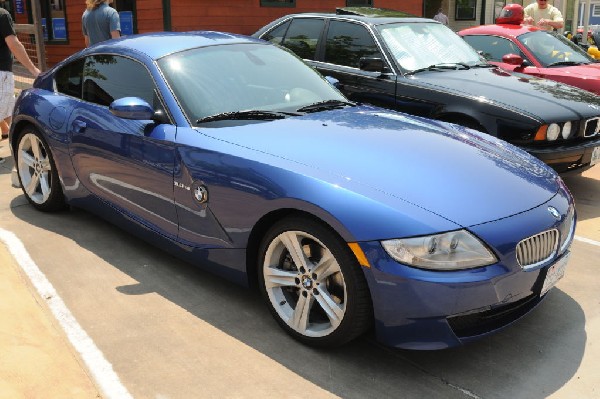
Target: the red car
pixel 533 51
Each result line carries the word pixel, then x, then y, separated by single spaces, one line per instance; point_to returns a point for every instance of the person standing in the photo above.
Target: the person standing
pixel 441 17
pixel 9 46
pixel 100 22
pixel 543 15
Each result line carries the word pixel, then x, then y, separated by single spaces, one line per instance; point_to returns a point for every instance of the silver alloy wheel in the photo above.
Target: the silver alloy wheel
pixel 33 164
pixel 304 283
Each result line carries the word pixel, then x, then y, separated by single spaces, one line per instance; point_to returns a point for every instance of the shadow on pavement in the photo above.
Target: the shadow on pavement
pixel 533 358
pixel 586 191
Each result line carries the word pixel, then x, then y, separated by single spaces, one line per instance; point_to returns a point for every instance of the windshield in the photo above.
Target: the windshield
pixel 550 49
pixel 231 78
pixel 420 45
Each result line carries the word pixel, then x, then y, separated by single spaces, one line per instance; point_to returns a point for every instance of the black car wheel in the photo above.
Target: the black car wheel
pixel 37 172
pixel 313 284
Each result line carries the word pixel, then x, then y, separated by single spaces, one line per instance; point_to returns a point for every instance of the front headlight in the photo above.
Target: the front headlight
pixel 553 132
pixel 454 250
pixel 566 130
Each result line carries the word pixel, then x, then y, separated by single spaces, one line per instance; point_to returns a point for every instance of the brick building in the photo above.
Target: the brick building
pixel 61 19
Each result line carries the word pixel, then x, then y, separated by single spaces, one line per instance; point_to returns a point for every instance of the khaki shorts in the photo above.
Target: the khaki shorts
pixel 7 94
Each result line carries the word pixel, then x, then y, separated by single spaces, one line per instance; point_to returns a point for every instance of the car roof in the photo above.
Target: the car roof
pixel 507 30
pixel 368 15
pixel 159 44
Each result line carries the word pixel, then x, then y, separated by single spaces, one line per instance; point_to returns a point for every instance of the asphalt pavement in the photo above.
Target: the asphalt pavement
pixel 551 354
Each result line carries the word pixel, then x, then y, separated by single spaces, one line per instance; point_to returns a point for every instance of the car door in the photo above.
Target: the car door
pixel 344 44
pixel 127 163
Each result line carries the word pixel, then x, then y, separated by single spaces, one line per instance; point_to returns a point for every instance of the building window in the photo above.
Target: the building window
pixel 465 10
pixel 7 5
pixel 359 3
pixel 54 21
pixel 596 10
pixel 278 3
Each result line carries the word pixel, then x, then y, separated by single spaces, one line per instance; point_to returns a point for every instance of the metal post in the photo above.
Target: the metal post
pixel 39 34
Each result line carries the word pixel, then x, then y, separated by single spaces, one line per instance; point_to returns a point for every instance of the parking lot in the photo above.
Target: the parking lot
pixel 170 330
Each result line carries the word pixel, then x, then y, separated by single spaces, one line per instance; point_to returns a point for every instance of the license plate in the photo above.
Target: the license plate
pixel 555 273
pixel 595 156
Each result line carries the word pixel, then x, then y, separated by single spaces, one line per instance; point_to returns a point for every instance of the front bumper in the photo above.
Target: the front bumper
pixel 566 158
pixel 424 309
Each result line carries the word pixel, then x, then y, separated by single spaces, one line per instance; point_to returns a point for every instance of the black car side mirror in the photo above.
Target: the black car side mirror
pixel 372 64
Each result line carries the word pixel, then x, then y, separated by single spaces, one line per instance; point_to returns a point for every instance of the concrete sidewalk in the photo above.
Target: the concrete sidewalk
pixel 36 358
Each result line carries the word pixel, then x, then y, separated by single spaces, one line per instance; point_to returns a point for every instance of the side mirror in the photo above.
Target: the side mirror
pixel 333 81
pixel 371 64
pixel 131 108
pixel 512 59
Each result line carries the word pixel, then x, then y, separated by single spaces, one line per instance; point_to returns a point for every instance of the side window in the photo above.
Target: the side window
pixel 68 79
pixel 493 48
pixel 302 36
pixel 54 20
pixel 108 77
pixel 347 43
pixel 276 35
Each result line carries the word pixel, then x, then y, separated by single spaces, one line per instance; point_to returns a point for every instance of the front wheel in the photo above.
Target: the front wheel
pixel 37 172
pixel 313 284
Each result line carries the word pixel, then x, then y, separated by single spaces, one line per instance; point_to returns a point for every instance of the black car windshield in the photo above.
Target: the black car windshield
pixel 418 46
pixel 554 50
pixel 249 79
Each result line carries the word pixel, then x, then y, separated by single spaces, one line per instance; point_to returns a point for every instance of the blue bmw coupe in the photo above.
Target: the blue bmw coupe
pixel 234 155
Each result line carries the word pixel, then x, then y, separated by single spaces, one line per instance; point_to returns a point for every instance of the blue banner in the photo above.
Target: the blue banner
pixel 59 29
pixel 126 20
pixel 19 7
pixel 44 29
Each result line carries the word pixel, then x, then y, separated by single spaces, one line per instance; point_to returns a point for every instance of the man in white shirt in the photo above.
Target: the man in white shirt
pixel 543 15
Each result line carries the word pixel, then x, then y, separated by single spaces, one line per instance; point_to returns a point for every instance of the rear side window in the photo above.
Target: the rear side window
pixel 276 35
pixel 108 77
pixel 493 48
pixel 68 79
pixel 347 43
pixel 303 35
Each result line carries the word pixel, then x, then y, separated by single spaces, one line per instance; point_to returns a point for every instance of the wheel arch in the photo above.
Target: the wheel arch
pixel 464 119
pixel 264 224
pixel 18 126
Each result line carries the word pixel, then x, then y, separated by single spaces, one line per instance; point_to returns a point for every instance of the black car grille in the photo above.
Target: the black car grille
pixel 489 320
pixel 592 127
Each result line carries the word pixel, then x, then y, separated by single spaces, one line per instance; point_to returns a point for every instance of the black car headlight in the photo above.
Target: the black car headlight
pixel 553 132
pixel 566 130
pixel 454 250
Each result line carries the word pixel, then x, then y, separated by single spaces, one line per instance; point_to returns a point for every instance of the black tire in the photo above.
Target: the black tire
pixel 37 172
pixel 320 298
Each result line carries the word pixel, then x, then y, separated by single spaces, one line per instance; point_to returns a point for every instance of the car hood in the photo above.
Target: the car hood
pixel 542 99
pixel 583 71
pixel 464 176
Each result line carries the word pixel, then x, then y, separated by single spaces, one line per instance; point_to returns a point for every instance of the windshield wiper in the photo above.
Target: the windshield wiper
pixel 246 115
pixel 560 63
pixel 483 65
pixel 440 67
pixel 326 105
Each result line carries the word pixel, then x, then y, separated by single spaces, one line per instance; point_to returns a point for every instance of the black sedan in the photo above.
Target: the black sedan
pixel 421 67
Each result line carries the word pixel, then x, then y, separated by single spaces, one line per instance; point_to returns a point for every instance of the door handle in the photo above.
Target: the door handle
pixel 79 126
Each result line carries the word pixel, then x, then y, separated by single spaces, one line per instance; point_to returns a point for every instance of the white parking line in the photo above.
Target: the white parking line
pixel 99 367
pixel 587 240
